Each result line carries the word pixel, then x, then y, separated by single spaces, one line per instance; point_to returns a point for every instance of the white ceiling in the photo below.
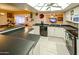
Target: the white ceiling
pixel 8 7
pixel 72 5
pixel 48 6
pixel 23 6
pixel 28 6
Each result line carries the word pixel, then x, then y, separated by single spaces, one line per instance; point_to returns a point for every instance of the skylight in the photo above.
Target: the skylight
pixel 49 6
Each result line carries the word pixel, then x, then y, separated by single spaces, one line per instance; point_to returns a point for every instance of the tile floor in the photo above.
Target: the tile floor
pixel 49 45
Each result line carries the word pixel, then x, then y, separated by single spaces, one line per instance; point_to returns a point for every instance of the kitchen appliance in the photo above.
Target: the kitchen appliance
pixel 71 43
pixel 43 29
pixel 75 18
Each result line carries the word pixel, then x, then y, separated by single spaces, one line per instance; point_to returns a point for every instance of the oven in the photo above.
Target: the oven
pixel 76 18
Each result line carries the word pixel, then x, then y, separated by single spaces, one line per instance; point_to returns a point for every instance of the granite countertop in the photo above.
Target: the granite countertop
pixel 72 30
pixel 69 28
pixel 75 33
pixel 17 43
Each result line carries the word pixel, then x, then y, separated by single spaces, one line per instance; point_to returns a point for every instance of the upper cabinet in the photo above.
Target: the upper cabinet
pixel 72 15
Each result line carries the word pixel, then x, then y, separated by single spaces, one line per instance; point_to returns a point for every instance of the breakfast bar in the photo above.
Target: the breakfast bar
pixel 17 42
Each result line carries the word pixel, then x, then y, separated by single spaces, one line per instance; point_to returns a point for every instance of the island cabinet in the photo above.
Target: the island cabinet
pixel 35 30
pixel 56 31
pixel 51 31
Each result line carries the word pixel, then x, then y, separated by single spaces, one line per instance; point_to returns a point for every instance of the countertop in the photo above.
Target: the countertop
pixel 17 43
pixel 72 30
pixel 69 28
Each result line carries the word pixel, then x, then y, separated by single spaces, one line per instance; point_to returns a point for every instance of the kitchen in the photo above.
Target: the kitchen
pixel 65 28
pixel 50 26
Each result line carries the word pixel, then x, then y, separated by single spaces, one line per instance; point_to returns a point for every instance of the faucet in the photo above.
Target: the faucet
pixel 42 23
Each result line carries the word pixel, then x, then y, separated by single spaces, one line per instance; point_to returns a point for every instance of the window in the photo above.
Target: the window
pixel 19 20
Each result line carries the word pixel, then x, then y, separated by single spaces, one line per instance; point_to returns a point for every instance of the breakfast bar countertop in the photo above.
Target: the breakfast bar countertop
pixel 69 28
pixel 17 42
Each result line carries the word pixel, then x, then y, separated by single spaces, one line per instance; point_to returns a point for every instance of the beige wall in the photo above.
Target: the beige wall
pixel 46 17
pixel 67 16
pixel 4 8
pixel 3 19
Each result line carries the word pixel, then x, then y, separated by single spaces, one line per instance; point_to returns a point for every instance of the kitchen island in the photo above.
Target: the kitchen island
pixel 17 42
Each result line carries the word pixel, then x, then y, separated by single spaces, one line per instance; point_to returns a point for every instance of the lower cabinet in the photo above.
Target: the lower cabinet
pixel 60 32
pixel 31 52
pixel 35 50
pixel 78 46
pixel 56 31
pixel 35 30
pixel 51 31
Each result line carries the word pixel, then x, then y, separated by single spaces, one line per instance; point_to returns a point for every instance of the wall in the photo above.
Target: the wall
pixel 7 8
pixel 67 16
pixel 47 15
pixel 3 19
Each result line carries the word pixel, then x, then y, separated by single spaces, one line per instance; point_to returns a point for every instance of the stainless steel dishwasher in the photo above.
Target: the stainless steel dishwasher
pixel 71 43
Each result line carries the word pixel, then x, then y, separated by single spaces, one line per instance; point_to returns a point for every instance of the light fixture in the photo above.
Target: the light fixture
pixel 2 14
pixel 49 6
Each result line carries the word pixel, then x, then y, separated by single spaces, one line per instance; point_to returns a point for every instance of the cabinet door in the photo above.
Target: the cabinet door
pixel 51 31
pixel 77 46
pixel 59 32
pixel 35 30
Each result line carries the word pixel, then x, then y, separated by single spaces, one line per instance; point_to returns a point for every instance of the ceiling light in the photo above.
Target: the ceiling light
pixel 49 6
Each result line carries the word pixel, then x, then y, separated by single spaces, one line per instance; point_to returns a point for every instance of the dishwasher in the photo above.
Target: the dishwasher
pixel 71 43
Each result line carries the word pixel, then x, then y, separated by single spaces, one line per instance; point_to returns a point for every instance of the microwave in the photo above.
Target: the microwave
pixel 76 18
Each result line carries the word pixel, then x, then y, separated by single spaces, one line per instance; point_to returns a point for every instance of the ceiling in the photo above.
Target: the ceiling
pixel 72 5
pixel 15 7
pixel 38 7
pixel 49 6
pixel 23 6
pixel 8 7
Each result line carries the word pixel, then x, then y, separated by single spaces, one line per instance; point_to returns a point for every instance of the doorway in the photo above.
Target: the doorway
pixel 19 20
